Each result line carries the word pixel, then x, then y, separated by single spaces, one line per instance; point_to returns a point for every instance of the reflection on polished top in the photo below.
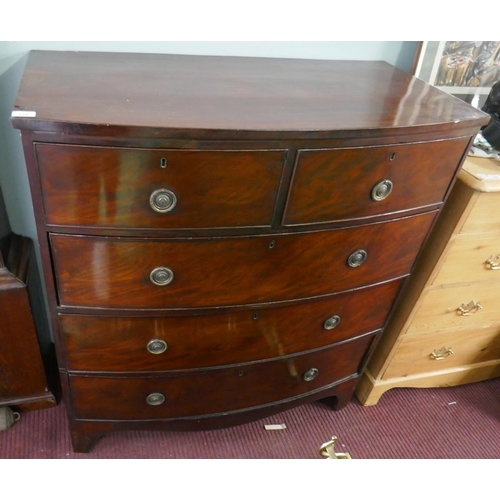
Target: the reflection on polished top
pixel 225 97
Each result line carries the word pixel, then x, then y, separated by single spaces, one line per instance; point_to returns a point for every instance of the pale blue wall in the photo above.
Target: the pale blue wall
pixel 13 179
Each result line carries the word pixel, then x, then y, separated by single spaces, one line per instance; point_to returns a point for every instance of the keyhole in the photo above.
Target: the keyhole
pixel 271 245
pixel 255 316
pixel 163 163
pixel 393 156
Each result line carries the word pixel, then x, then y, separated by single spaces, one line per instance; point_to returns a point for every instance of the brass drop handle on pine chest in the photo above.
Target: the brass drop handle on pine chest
pixel 382 190
pixel 439 354
pixel 163 201
pixel 469 309
pixel 161 276
pixel 493 263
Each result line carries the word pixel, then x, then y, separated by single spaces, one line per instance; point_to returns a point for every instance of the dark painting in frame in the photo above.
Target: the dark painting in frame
pixel 466 70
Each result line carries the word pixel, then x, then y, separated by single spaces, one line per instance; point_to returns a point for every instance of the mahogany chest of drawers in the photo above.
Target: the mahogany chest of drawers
pixel 25 370
pixel 224 238
pixel 446 330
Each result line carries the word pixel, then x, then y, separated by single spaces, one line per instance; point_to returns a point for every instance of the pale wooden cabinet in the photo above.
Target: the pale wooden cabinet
pixel 445 330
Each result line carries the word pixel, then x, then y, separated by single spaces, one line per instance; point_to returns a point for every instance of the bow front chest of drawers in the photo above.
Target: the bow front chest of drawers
pixel 224 238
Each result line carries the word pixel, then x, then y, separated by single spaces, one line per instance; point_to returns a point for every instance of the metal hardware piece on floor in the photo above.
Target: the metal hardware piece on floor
pixel 327 450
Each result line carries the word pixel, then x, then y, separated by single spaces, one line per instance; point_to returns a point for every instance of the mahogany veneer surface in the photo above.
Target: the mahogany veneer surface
pixel 23 375
pixel 111 272
pixel 234 337
pixel 209 185
pixel 283 265
pixel 321 177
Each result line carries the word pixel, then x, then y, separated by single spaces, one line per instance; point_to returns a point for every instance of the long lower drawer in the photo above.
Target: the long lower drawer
pixel 219 390
pixel 109 272
pixel 178 342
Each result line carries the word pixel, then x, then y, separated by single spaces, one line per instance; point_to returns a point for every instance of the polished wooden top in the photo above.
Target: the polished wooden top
pixel 229 97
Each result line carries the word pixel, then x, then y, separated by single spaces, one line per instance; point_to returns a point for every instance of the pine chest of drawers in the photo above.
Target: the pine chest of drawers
pixel 224 238
pixel 446 330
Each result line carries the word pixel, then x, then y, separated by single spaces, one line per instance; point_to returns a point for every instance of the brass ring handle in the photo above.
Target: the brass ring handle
pixel 157 346
pixel 469 309
pixel 357 258
pixel 310 374
pixel 442 353
pixel 382 190
pixel 331 323
pixel 493 263
pixel 155 399
pixel 161 276
pixel 163 201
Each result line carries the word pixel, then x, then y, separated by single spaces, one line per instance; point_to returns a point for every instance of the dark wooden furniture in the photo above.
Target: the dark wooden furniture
pixel 224 238
pixel 23 377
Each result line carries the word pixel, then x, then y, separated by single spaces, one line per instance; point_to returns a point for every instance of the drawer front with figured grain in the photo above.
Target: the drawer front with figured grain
pixel 202 392
pixel 182 342
pixel 462 308
pixel 444 351
pixel 158 188
pixel 470 258
pixel 214 272
pixel 350 183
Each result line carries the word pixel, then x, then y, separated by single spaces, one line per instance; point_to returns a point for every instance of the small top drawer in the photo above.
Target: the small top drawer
pixel 158 188
pixel 350 183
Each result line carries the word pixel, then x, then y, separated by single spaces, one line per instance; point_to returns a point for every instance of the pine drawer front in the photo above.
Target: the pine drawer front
pixel 177 342
pixel 457 309
pixel 388 179
pixel 192 393
pixel 484 216
pixel 470 258
pixel 120 272
pixel 418 354
pixel 158 188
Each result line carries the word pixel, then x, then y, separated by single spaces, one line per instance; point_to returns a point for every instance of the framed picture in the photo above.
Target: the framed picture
pixel 466 70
